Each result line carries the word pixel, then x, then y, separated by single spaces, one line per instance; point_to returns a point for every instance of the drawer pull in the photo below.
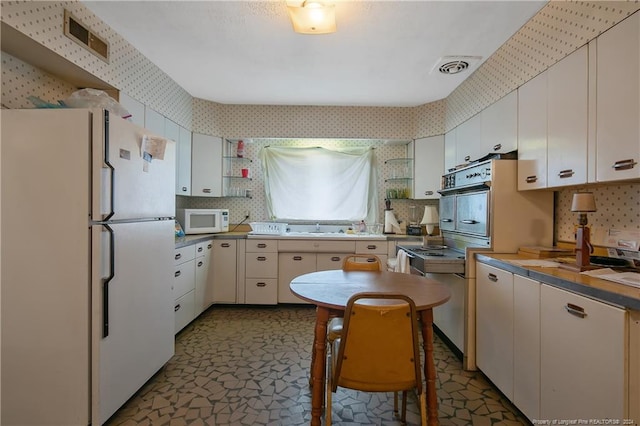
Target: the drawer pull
pixel 497 147
pixel 428 192
pixel 624 164
pixel 262 245
pixel 371 260
pixel 566 173
pixel 493 277
pixel 207 190
pixel 447 220
pixel 372 247
pixel 575 310
pixel 261 284
pixel 200 249
pixel 467 158
pixel 177 274
pixel 178 256
pixel 261 258
pixel 531 179
pixel 209 245
pixel 200 264
pixel 297 257
pixel 469 221
pixel 225 245
pixel 335 258
pixel 176 308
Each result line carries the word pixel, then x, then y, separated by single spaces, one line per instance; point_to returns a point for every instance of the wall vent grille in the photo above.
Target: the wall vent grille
pixel 79 33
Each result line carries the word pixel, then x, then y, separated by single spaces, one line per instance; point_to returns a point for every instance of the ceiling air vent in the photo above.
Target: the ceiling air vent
pixel 79 33
pixel 450 65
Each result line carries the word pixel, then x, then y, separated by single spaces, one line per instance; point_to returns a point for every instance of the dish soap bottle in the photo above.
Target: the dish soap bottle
pixel 240 149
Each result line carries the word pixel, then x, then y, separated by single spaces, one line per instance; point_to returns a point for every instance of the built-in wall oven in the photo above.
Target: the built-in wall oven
pixel 480 210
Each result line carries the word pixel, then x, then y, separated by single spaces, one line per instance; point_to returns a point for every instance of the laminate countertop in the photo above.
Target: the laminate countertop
pixel 607 291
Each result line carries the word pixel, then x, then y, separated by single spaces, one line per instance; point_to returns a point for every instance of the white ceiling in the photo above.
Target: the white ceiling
pixel 245 52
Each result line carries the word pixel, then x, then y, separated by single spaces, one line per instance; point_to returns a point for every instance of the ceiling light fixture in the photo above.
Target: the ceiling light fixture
pixel 313 17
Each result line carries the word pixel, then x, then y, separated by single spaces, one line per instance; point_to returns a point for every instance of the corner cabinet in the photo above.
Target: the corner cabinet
pixel 618 102
pixel 428 167
pixel 206 166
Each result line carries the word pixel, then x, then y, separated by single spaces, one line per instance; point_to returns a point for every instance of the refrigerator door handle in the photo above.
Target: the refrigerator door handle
pixel 107 280
pixel 112 170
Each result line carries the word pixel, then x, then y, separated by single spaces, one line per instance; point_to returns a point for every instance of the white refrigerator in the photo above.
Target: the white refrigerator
pixel 87 240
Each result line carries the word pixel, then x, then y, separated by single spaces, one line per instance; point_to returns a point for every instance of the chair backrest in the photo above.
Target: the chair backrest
pixel 378 350
pixel 361 262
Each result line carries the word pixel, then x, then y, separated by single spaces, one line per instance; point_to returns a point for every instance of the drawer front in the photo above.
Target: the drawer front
pixel 184 254
pixel 261 246
pixel 373 247
pixel 184 310
pixel 314 246
pixel 328 261
pixel 261 291
pixel 185 278
pixel 204 249
pixel 261 265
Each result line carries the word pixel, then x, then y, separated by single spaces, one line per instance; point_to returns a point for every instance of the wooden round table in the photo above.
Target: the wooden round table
pixel 330 291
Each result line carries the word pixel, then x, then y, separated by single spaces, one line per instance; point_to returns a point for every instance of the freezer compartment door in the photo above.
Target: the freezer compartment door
pixel 129 184
pixel 133 308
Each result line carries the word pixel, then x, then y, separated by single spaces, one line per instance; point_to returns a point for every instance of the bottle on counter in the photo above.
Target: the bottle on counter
pixel 240 149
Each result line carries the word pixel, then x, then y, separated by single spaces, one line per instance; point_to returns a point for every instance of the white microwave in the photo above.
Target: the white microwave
pixel 203 221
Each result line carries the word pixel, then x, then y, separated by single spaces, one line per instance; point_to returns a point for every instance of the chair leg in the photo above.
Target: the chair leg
pixel 403 419
pixel 328 391
pixel 423 409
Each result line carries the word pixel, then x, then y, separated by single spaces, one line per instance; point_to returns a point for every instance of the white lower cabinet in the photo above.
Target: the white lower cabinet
pixel 184 286
pixel 261 272
pixel 582 357
pixel 494 326
pixel 224 271
pixel 290 265
pixel 526 346
pixel 450 317
pixel 203 279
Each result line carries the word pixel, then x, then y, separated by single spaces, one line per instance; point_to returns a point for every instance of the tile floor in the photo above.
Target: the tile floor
pixel 249 366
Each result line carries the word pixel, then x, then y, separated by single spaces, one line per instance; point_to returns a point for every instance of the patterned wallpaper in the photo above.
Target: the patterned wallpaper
pixel 557 30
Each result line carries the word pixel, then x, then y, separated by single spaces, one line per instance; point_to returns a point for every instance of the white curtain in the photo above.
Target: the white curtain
pixel 320 184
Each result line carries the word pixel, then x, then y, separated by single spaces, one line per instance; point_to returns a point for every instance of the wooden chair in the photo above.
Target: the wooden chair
pixel 361 360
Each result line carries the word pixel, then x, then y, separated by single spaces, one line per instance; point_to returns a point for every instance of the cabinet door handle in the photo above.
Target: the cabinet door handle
pixel 372 247
pixel 184 189
pixel 200 264
pixel 209 245
pixel 469 221
pixel 176 308
pixel 467 158
pixel 206 190
pixel 335 258
pixel 531 179
pixel 200 249
pixel 297 257
pixel 493 277
pixel 261 284
pixel 261 258
pixel 624 164
pixel 177 274
pixel 565 173
pixel 428 192
pixel 575 310
pixel 371 260
pixel 225 245
pixel 178 256
pixel 446 220
pixel 497 147
pixel 262 245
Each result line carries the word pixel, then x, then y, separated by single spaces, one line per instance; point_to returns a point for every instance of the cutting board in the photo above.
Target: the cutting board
pixel 544 252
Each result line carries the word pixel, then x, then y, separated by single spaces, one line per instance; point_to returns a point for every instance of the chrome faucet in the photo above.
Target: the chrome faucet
pixel 317 226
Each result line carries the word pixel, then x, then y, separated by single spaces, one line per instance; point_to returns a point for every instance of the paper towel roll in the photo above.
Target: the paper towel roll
pixel 391 224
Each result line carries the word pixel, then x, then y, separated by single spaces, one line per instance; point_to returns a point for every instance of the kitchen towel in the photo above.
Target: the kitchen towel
pixel 402 263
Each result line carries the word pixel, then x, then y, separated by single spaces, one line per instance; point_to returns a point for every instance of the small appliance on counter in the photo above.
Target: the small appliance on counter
pixel 413 228
pixel 203 221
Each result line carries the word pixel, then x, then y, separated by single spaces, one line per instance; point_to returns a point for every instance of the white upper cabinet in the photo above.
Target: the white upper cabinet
pixel 183 165
pixel 500 126
pixel 567 120
pixel 469 140
pixel 532 133
pixel 135 108
pixel 206 166
pixel 450 149
pixel 618 102
pixel 428 167
pixel 154 121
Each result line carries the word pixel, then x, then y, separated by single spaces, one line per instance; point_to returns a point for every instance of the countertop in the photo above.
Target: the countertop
pixel 606 291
